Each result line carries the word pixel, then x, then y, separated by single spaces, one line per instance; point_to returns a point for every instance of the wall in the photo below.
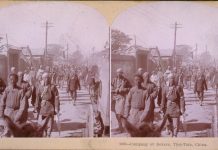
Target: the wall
pixel 126 62
pixel 3 67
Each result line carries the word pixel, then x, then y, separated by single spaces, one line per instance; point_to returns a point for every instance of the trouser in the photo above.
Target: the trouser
pixel 73 95
pixel 200 95
pixel 159 96
pixel 49 126
pixel 94 101
pixel 119 109
pixel 33 97
pixel 120 126
pixel 173 124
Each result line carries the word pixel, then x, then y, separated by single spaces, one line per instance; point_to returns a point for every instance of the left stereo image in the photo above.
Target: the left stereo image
pixel 54 71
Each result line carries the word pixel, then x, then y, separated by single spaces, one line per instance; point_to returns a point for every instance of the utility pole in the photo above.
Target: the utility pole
pixel 47 25
pixel 175 26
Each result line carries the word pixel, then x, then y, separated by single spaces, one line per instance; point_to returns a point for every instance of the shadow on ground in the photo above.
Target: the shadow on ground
pixel 70 126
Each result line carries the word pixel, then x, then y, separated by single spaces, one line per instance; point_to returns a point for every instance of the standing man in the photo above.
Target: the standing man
pixel 73 85
pixel 33 83
pixel 14 103
pixel 24 85
pixel 135 104
pixel 172 105
pixel 160 84
pixel 120 88
pixel 152 92
pixel 47 103
pixel 200 86
pixel 26 89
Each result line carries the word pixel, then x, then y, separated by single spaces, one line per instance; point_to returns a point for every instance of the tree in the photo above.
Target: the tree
pixel 119 40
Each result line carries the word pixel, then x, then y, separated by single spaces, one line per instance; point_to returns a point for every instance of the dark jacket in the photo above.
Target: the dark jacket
pixel 73 83
pixel 121 85
pixel 200 84
pixel 47 100
pixel 173 103
pixel 26 88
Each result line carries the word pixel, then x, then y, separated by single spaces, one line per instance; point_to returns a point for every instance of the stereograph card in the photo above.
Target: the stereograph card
pixel 105 75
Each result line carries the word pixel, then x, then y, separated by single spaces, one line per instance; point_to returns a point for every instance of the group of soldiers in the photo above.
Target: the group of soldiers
pixel 39 88
pixel 162 89
pixel 29 85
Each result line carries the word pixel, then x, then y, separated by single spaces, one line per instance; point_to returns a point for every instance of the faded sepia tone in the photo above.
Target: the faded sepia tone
pixel 60 53
pixel 110 10
pixel 164 71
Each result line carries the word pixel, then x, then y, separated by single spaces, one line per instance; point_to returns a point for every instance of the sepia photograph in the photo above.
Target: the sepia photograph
pixel 54 71
pixel 107 75
pixel 164 71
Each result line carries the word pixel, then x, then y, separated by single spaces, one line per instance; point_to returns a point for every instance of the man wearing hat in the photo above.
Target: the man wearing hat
pixel 24 84
pixel 26 89
pixel 152 92
pixel 47 103
pixel 172 105
pixel 120 88
pixel 73 85
pixel 200 85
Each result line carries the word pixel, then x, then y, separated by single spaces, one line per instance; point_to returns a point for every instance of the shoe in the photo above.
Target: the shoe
pixel 201 103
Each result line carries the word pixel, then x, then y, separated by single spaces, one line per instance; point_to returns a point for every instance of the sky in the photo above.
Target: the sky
pixel 151 24
pixel 75 24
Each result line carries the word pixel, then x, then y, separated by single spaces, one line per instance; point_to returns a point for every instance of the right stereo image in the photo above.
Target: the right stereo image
pixel 164 74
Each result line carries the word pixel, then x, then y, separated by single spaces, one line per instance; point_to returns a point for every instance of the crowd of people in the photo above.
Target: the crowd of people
pixel 134 104
pixel 39 88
